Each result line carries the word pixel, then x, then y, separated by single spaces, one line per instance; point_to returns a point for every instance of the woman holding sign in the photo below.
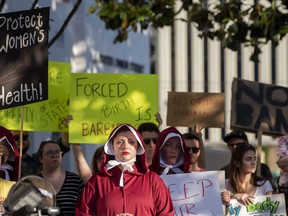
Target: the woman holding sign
pixel 124 186
pixel 171 155
pixel 243 183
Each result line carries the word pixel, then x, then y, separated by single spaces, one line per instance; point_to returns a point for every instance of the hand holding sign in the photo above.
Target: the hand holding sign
pixel 225 197
pixel 244 198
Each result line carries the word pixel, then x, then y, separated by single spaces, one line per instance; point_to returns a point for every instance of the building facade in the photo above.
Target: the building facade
pixel 185 62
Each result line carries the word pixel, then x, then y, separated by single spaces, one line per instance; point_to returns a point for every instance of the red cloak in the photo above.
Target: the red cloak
pixel 143 193
pixel 155 166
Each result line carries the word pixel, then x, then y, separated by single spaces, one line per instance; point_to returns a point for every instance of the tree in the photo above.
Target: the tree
pixel 65 23
pixel 232 22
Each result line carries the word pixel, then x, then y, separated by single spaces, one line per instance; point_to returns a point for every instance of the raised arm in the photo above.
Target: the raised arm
pixel 64 142
pixel 159 119
pixel 202 159
pixel 83 168
pixel 64 139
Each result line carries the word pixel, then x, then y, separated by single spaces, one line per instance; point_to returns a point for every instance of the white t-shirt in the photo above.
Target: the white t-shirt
pixel 260 191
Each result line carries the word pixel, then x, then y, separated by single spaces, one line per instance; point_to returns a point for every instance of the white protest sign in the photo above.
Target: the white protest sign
pixel 272 205
pixel 196 193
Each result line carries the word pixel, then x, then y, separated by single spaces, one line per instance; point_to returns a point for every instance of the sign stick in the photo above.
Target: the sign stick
pixel 259 151
pixel 21 141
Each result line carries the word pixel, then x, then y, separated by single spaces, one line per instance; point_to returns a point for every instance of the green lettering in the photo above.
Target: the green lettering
pixel 259 206
pixel 250 208
pixel 266 204
pixel 274 206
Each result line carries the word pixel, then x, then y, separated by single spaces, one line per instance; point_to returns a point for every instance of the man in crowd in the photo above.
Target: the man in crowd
pixel 194 144
pixel 150 133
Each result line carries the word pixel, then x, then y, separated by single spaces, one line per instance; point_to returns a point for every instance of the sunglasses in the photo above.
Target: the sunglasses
pixel 17 137
pixel 148 140
pixel 194 149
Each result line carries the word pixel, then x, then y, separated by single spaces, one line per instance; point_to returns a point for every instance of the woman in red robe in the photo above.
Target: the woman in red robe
pixel 124 185
pixel 171 155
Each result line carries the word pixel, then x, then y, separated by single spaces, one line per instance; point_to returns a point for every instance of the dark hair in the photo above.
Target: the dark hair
pixel 148 126
pixel 237 157
pixel 43 144
pixel 191 136
pixel 235 134
pixel 97 154
pixel 41 147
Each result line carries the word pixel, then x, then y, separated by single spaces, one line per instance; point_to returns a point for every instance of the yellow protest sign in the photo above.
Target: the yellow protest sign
pixel 99 102
pixel 46 115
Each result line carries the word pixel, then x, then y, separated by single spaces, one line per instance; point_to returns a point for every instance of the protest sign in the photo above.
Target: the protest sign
pixel 196 193
pixel 190 108
pixel 259 107
pixel 48 115
pixel 99 102
pixel 272 205
pixel 24 57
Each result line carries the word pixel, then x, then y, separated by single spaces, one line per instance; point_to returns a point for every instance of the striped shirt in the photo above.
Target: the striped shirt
pixel 67 197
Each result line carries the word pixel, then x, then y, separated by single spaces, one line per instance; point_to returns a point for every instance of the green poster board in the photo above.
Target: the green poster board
pixel 46 115
pixel 99 102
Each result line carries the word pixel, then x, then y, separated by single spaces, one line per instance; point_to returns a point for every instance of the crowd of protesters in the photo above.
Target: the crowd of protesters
pixel 124 178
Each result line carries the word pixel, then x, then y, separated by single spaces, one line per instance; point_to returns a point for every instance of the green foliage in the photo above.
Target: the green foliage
pixel 231 22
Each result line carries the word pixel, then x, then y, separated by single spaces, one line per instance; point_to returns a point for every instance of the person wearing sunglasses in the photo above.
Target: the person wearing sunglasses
pixel 150 133
pixel 193 140
pixel 67 185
